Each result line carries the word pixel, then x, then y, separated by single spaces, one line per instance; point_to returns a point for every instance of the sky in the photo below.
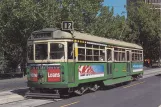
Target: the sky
pixel 118 6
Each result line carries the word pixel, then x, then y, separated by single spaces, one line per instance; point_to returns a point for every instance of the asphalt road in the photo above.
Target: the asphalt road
pixel 15 83
pixel 142 93
pixel 148 68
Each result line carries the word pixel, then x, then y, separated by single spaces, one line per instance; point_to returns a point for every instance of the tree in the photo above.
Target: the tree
pixel 21 17
pixel 18 20
pixel 107 25
pixel 144 23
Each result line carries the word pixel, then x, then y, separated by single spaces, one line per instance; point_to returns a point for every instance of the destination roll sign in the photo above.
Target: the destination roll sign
pixel 41 35
pixel 67 25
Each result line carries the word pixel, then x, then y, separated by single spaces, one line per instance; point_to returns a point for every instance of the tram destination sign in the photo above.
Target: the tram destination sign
pixel 67 25
pixel 41 35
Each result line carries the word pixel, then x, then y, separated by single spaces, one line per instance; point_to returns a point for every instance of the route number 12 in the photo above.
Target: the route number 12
pixel 67 25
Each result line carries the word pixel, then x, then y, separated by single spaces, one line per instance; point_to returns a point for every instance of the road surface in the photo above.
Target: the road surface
pixel 143 93
pixel 11 84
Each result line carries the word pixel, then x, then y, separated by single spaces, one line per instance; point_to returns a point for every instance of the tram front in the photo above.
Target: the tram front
pixel 47 59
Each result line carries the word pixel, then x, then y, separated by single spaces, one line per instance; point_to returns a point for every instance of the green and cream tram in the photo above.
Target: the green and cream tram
pixel 66 62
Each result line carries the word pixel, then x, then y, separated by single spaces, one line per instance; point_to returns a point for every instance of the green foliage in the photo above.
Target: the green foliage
pixel 18 20
pixel 107 25
pixel 21 17
pixel 144 23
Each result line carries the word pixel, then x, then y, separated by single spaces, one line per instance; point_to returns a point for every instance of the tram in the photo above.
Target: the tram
pixel 62 62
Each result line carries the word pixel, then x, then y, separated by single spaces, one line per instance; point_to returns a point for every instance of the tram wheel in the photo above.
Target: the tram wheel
pixel 80 90
pixel 94 87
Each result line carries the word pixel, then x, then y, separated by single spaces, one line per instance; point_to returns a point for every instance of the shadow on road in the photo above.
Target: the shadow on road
pixel 20 91
pixel 159 75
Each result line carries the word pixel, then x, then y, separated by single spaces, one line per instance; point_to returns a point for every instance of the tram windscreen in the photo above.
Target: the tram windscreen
pixel 41 51
pixel 57 51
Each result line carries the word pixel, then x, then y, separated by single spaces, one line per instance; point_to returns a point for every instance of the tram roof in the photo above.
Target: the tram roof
pixel 84 36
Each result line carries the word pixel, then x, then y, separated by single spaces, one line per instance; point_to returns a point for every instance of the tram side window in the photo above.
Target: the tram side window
pixel 96 55
pixel 136 55
pixel 91 52
pixel 128 56
pixel 116 58
pixel 81 55
pixel 70 50
pixel 133 56
pixel 140 56
pixel 41 51
pixel 89 56
pixel 102 55
pixel 57 51
pixel 123 57
pixel 119 54
pixel 109 54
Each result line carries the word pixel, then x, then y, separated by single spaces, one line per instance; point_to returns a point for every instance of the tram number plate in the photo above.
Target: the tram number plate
pixel 67 25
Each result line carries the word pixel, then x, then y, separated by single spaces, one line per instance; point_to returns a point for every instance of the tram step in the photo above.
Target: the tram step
pixel 117 80
pixel 42 95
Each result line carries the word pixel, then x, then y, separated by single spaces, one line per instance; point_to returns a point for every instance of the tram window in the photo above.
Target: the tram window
pixel 128 57
pixel 89 45
pixel 120 56
pixel 57 51
pixel 116 56
pixel 41 51
pixel 30 52
pixel 70 50
pixel 81 44
pixel 140 57
pixel 123 57
pixel 136 55
pixel 116 49
pixel 96 55
pixel 109 54
pixel 102 55
pixel 81 55
pixel 89 54
pixel 102 47
pixel 96 46
pixel 133 58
